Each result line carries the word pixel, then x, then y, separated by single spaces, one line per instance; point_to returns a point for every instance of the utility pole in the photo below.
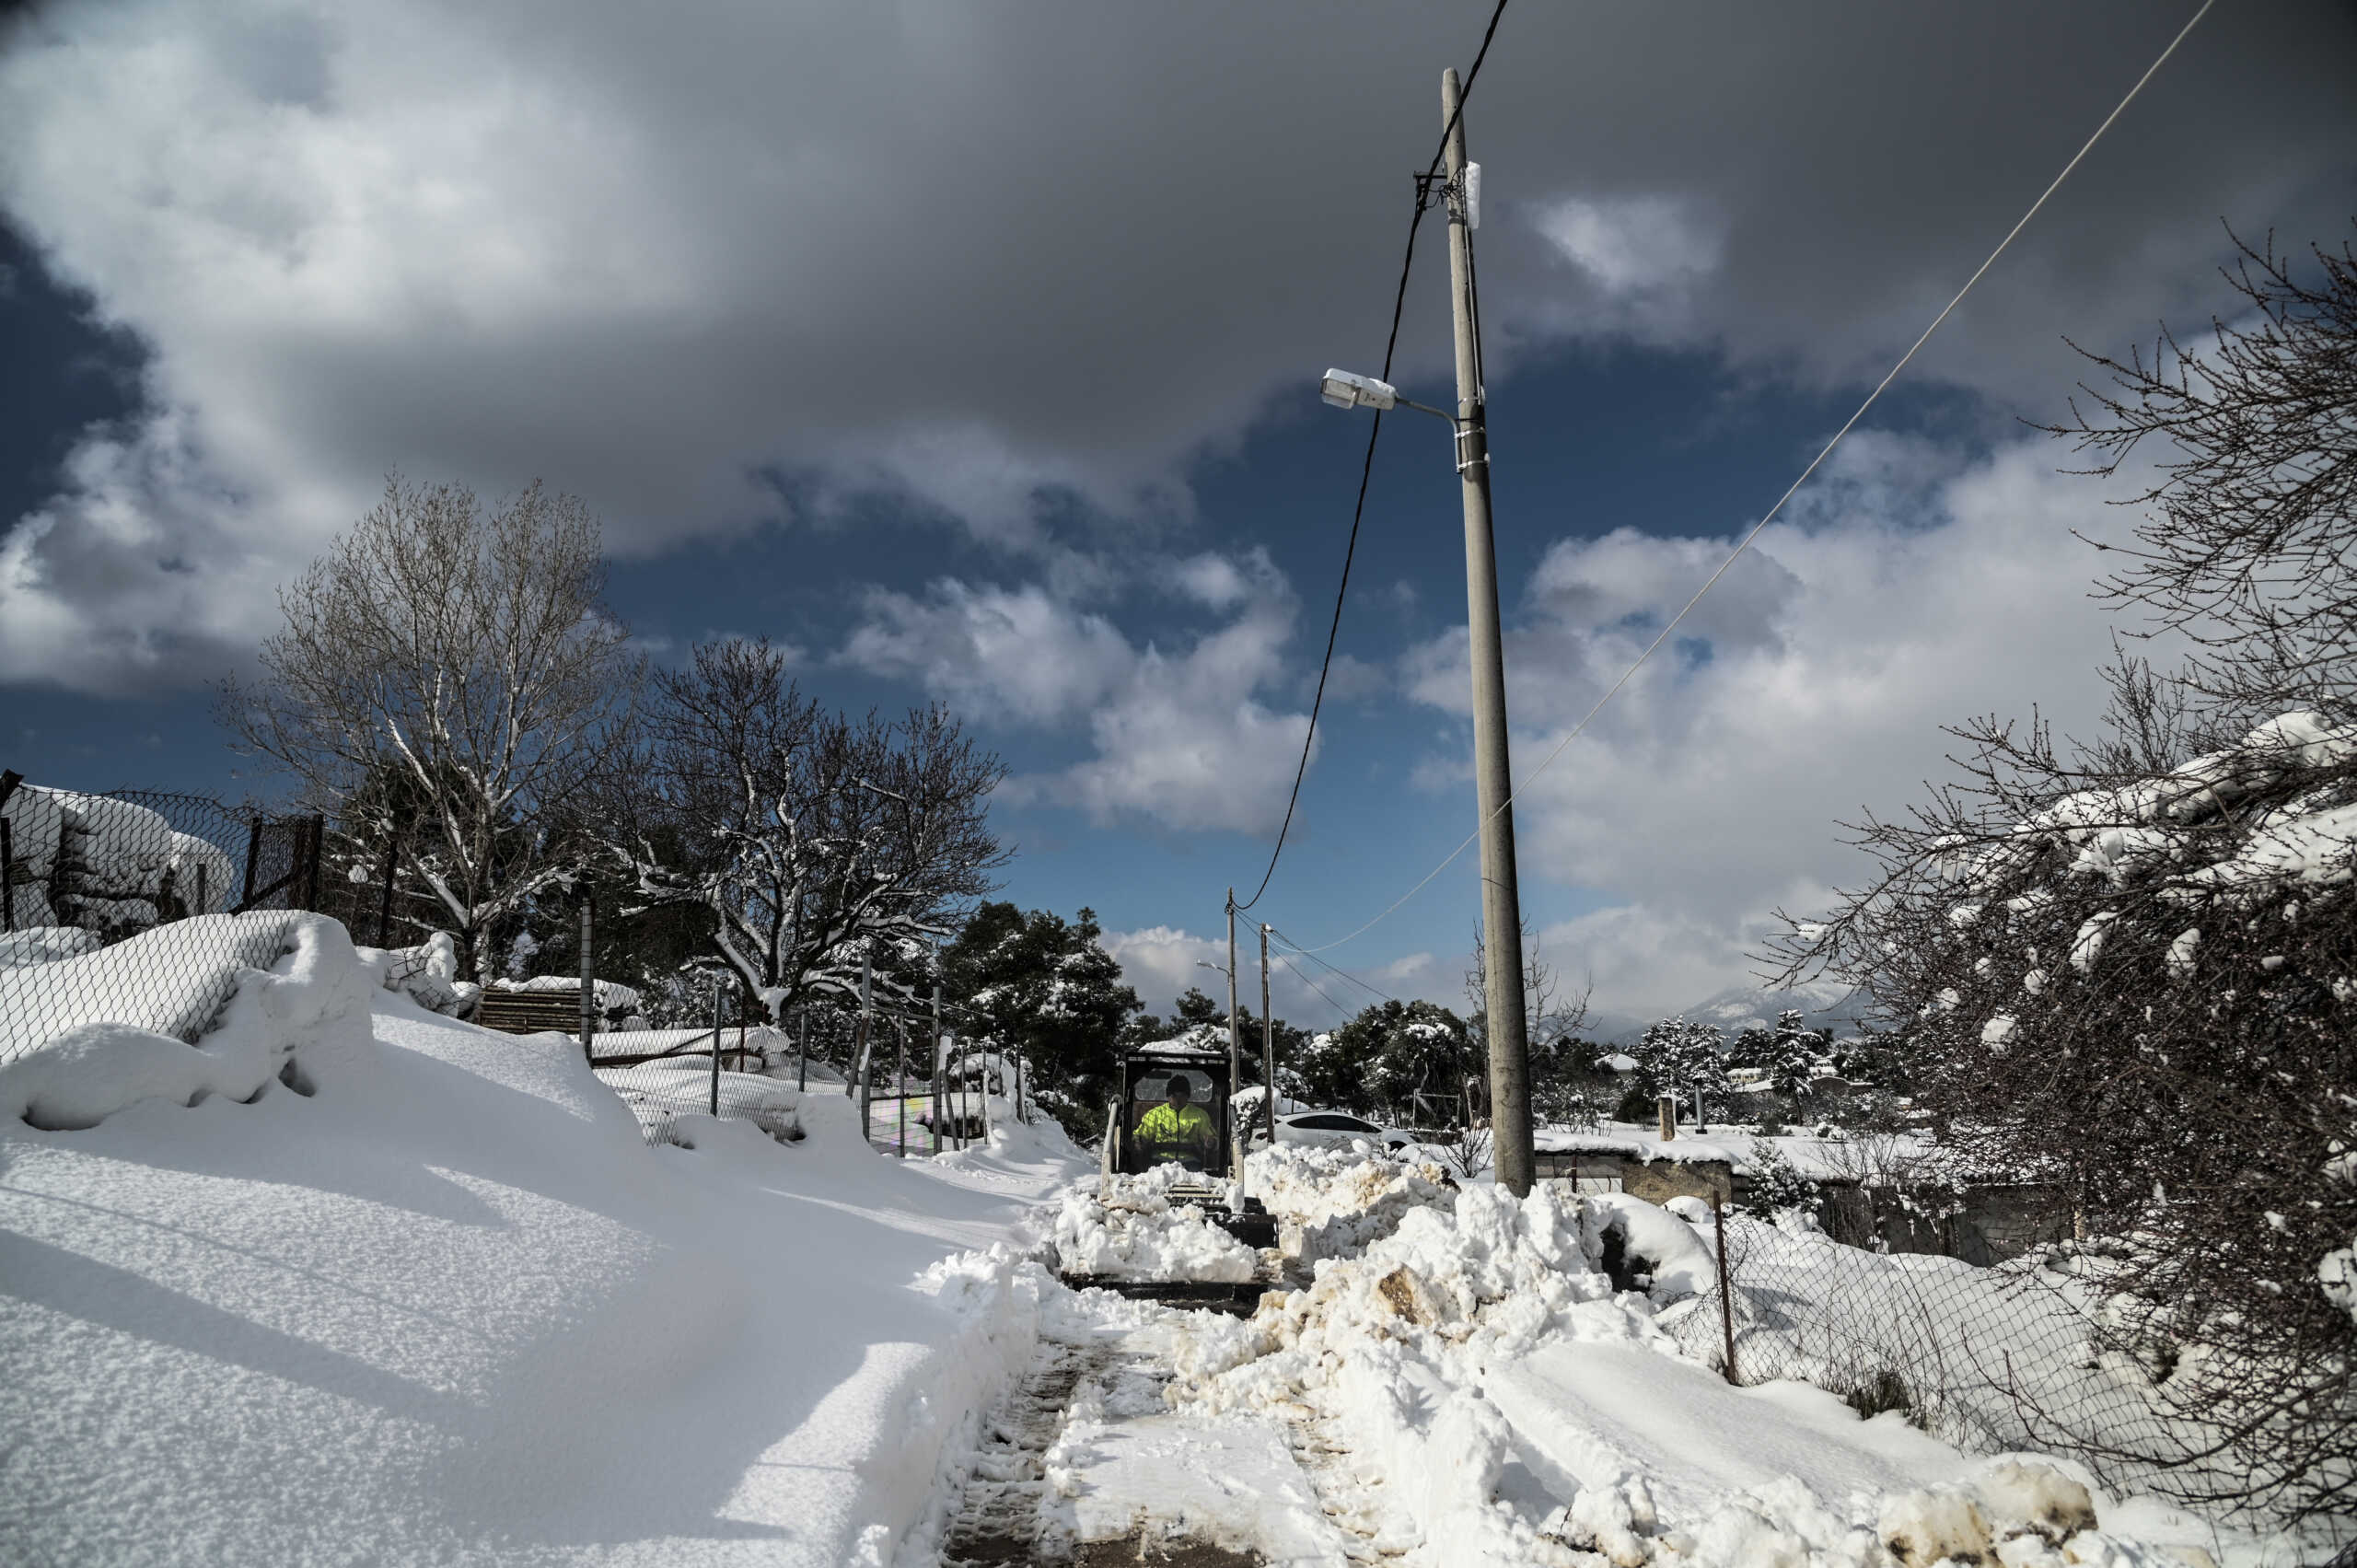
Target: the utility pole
pixel 1235 1053
pixel 1268 1044
pixel 1493 772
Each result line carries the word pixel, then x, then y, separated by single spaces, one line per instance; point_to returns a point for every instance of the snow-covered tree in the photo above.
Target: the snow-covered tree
pixel 2127 967
pixel 1793 1051
pixel 450 670
pixel 814 840
pixel 1679 1055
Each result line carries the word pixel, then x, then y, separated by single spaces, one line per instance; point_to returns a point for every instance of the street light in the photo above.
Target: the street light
pixel 1348 390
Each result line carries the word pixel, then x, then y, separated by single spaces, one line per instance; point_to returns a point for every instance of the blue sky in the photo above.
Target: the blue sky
pixel 979 366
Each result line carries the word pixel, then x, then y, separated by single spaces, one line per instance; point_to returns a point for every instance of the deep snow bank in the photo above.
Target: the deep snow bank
pixel 449 1306
pixel 1495 1401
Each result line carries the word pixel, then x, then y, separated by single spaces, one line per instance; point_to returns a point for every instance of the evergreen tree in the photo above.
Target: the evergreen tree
pixel 1793 1054
pixel 1032 982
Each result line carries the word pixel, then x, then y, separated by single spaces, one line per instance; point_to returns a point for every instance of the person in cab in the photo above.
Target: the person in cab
pixel 1177 1128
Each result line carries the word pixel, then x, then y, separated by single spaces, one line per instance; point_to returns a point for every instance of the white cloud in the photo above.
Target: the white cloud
pixel 1635 245
pixel 1818 677
pixel 1161 961
pixel 1181 738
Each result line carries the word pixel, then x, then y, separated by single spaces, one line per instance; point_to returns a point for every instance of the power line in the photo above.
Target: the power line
pixel 1366 470
pixel 1813 463
pixel 1344 1012
pixel 1363 985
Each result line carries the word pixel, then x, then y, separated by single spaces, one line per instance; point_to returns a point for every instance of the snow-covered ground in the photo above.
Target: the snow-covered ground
pixel 348 1281
pixel 406 1291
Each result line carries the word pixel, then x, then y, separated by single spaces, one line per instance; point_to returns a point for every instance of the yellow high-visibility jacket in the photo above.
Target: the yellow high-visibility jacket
pixel 1182 1124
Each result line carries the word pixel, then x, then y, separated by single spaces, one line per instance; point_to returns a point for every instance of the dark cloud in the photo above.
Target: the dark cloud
pixel 663 256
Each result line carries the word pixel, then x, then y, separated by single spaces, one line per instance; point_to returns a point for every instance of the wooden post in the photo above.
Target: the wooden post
pixel 1666 1107
pixel 1726 1313
pixel 318 837
pixel 802 1051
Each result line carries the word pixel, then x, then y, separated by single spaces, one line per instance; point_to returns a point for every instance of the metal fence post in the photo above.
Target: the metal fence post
pixel 319 836
pixel 385 900
pixel 7 876
pixel 203 887
pixel 802 1052
pixel 253 863
pixel 715 1047
pixel 1726 1312
pixel 589 982
pixel 901 1091
pixel 935 1075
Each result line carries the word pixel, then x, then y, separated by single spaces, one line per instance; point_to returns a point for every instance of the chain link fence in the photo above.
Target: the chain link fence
pixel 2035 1353
pixel 139 908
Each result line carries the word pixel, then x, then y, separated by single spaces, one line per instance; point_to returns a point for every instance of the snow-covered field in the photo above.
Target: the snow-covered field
pixel 347 1281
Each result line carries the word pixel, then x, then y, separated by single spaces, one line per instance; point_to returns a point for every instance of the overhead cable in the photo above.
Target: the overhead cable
pixel 1366 469
pixel 1813 463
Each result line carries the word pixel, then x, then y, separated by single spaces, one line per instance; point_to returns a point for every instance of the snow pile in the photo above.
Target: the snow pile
pixel 1333 1202
pixel 115 863
pixel 113 1041
pixel 1126 1228
pixel 45 945
pixel 174 980
pixel 393 1289
pixel 672 1096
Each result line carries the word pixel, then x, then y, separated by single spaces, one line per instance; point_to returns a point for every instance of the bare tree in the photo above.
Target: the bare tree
pixel 2245 548
pixel 2124 967
pixel 454 667
pixel 813 840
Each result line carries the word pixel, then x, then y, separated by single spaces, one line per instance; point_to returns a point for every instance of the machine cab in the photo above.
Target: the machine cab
pixel 1173 1108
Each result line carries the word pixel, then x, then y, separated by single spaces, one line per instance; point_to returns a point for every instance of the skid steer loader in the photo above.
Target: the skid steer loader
pixel 1175 1106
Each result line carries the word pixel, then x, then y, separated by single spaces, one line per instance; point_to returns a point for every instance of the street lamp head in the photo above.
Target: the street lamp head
pixel 1345 390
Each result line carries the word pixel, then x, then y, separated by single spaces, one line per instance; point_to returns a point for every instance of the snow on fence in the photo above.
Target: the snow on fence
pixel 83 876
pixel 2027 1354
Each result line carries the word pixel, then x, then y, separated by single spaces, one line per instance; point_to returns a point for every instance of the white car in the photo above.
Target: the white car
pixel 1327 1129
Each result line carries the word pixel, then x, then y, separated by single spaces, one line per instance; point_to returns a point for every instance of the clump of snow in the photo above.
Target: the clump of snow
pixel 45 945
pixel 84 1066
pixel 1661 1242
pixel 1333 1202
pixel 1126 1228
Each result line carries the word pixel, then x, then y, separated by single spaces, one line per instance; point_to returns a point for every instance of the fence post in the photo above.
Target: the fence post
pixel 319 836
pixel 802 1051
pixel 385 900
pixel 253 860
pixel 7 874
pixel 203 887
pixel 715 1047
pixel 1726 1312
pixel 938 1106
pixel 590 983
pixel 901 1091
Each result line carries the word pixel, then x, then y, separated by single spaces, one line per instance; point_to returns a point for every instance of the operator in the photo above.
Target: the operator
pixel 1178 1119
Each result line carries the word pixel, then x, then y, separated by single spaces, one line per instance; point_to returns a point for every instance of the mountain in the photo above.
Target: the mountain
pixel 1824 1004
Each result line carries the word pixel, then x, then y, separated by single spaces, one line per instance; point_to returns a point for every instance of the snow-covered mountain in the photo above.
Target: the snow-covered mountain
pixel 1825 1005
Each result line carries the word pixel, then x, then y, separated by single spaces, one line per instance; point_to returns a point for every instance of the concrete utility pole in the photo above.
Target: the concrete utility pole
pixel 1493 772
pixel 1267 1044
pixel 1235 1051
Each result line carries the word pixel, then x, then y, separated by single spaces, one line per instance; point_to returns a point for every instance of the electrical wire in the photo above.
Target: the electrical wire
pixel 1815 462
pixel 1342 1011
pixel 1366 469
pixel 1363 985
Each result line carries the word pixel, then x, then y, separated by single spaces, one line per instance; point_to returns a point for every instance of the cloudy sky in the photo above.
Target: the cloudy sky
pixel 971 350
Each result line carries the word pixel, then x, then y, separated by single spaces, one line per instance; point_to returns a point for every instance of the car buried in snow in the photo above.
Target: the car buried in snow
pixel 1332 1130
